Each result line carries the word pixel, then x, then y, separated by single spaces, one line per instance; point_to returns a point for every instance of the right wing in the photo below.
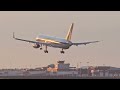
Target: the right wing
pixel 84 43
pixel 30 41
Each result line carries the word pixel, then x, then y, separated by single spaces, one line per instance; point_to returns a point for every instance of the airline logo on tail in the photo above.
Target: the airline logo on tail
pixel 69 34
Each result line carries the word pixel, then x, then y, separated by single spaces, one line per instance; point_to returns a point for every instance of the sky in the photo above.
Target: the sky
pixel 88 26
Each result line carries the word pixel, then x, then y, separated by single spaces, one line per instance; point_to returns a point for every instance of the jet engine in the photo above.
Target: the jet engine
pixel 36 45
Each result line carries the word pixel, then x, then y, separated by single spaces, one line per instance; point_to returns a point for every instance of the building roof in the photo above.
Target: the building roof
pixel 60 61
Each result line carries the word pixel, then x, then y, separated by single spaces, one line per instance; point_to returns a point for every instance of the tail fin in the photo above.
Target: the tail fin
pixel 69 34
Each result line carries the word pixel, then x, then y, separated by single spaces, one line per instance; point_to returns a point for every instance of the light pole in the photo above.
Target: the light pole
pixel 80 69
pixel 88 68
pixel 104 70
pixel 77 65
pixel 80 64
pixel 103 64
pixel 87 63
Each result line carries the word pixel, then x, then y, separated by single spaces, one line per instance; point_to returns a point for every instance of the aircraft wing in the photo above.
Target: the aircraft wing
pixel 84 43
pixel 30 41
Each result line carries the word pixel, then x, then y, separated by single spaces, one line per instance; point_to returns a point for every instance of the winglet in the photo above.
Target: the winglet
pixel 13 35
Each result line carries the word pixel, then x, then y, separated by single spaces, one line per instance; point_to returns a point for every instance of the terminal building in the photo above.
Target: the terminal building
pixel 61 68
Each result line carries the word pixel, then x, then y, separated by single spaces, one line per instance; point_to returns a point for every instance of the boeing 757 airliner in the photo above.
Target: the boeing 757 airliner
pixel 63 43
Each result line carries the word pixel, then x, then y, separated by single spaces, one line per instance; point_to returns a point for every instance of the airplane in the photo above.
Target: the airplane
pixel 51 41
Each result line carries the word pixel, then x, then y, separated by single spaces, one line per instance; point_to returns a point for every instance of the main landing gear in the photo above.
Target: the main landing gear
pixel 41 47
pixel 46 51
pixel 62 51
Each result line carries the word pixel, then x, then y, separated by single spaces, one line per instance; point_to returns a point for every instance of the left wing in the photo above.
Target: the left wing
pixel 84 43
pixel 31 41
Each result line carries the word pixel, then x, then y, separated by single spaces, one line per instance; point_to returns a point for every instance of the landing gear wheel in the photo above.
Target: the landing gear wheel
pixel 45 51
pixel 40 48
pixel 62 52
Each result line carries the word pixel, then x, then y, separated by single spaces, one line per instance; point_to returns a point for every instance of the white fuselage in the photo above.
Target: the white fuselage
pixel 54 41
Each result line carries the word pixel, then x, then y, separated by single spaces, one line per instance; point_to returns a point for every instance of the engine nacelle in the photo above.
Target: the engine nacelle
pixel 36 45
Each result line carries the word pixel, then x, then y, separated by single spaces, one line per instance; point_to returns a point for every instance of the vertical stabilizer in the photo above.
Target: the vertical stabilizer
pixel 69 34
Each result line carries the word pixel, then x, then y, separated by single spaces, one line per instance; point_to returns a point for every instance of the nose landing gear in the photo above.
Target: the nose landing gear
pixel 40 48
pixel 62 51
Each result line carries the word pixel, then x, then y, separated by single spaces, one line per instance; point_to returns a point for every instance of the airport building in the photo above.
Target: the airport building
pixel 61 68
pixel 64 69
